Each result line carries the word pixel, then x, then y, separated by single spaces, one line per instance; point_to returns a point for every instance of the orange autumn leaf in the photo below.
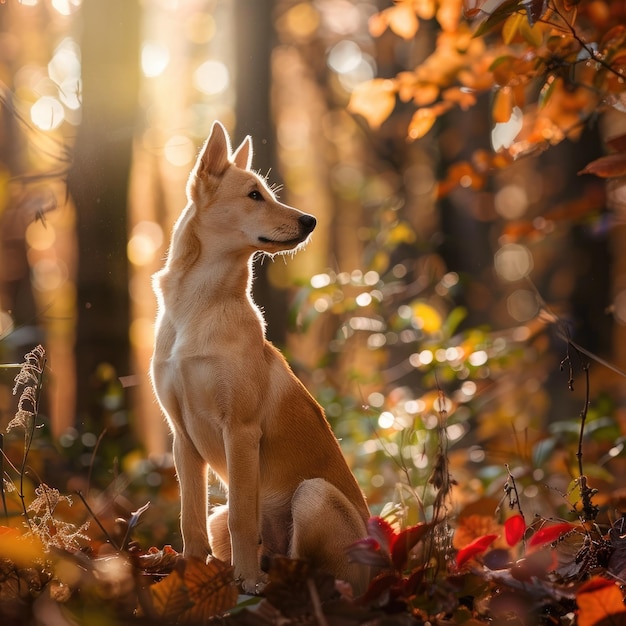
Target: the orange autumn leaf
pixel 195 591
pixel 374 100
pixel 425 8
pixel 425 94
pixel 465 98
pixel 421 122
pixel 377 24
pixel 600 602
pixel 473 526
pixel 503 103
pixel 402 20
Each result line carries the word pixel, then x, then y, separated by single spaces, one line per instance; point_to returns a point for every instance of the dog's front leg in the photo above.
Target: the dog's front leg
pixel 242 454
pixel 192 473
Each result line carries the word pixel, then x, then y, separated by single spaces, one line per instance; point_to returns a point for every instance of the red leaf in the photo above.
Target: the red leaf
pixel 610 166
pixel 368 552
pixel 514 529
pixel 548 534
pixel 617 143
pixel 381 584
pixel 404 542
pixel 382 531
pixel 478 546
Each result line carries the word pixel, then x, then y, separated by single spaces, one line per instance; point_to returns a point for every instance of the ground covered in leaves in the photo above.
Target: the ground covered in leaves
pixel 483 563
pixel 482 572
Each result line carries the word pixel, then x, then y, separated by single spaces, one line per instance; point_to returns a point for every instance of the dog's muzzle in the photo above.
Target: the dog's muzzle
pixel 307 223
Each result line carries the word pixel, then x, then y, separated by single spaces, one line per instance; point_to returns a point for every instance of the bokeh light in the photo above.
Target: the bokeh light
pixel 513 262
pixel 522 305
pixel 511 201
pixel 155 57
pixel 179 150
pixel 40 236
pixel 47 113
pixel 212 78
pixel 65 7
pixel 65 70
pixel 146 238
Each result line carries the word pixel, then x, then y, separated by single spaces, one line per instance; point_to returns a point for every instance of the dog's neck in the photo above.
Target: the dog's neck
pixel 209 282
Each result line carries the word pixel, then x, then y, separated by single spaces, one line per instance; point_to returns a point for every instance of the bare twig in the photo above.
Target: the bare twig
pixel 315 601
pixel 93 515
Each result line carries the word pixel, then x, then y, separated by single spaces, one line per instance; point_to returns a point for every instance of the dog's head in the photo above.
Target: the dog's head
pixel 235 204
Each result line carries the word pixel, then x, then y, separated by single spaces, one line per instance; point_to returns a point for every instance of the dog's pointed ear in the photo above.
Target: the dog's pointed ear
pixel 214 158
pixel 243 155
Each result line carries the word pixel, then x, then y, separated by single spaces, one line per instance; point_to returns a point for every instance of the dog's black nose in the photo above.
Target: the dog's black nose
pixel 308 222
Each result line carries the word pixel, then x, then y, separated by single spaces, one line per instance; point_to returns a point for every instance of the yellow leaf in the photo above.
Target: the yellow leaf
pixel 511 26
pixel 401 233
pixel 426 317
pixel 402 20
pixel 421 122
pixel 532 34
pixel 374 99
pixel 380 262
pixel 22 550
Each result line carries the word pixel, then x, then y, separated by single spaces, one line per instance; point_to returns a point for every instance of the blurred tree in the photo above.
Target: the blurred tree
pixel 99 185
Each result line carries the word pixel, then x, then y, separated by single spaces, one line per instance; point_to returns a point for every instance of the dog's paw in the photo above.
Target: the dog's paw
pixel 253 585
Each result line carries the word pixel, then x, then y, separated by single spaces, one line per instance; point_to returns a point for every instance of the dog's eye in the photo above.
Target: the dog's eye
pixel 255 195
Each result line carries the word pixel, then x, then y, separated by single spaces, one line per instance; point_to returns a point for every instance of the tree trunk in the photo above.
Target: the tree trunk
pixel 255 30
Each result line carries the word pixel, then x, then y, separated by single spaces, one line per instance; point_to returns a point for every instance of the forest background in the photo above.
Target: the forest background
pixel 468 266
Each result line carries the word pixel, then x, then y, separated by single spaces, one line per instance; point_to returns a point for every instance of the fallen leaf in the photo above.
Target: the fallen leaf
pixel 472 526
pixel 600 602
pixel 195 591
pixel 293 585
pixel 170 597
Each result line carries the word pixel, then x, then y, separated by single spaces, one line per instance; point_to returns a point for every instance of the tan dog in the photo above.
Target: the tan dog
pixel 232 402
